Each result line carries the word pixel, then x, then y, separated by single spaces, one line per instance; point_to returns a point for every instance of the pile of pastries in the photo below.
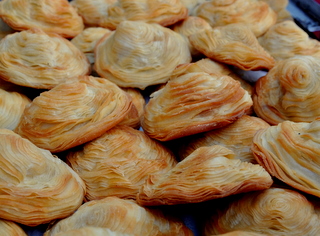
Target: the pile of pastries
pixel 122 117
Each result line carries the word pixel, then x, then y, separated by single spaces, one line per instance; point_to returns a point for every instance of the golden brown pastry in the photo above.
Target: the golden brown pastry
pixel 110 13
pixel 290 91
pixel 5 29
pixel 87 40
pixel 236 136
pixel 233 44
pixel 118 162
pixel 37 59
pixel 92 231
pixel 273 211
pixel 280 7
pixel 56 16
pixel 256 14
pixel 12 105
pixel 10 228
pixel 192 103
pixel 289 151
pixel 207 173
pixel 35 186
pixel 240 233
pixel 122 216
pixel 286 39
pixel 138 54
pixel 73 113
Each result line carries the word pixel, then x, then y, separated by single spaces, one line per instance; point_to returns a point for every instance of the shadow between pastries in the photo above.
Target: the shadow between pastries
pixel 207 173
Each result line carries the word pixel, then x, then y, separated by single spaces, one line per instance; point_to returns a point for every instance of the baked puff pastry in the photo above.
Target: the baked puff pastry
pixel 73 113
pixel 36 59
pixel 118 162
pixel 92 231
pixel 35 186
pixel 257 15
pixel 192 103
pixel 289 151
pixel 56 16
pixel 290 91
pixel 122 216
pixel 207 173
pixel 139 54
pixel 274 211
pixel 233 44
pixel 12 105
pixel 286 39
pixel 110 13
pixel 10 228
pixel 237 136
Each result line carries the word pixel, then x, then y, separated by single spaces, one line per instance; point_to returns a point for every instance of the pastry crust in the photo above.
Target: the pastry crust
pixel 110 13
pixel 73 113
pixel 56 16
pixel 289 151
pixel 192 103
pixel 10 228
pixel 123 216
pixel 290 91
pixel 207 173
pixel 92 231
pixel 138 54
pixel 257 15
pixel 35 186
pixel 119 162
pixel 233 44
pixel 40 60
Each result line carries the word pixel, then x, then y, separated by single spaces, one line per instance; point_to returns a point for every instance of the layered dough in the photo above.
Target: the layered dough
pixel 73 113
pixel 119 162
pixel 290 91
pixel 122 216
pixel 110 13
pixel 207 173
pixel 233 44
pixel 56 16
pixel 35 186
pixel 273 211
pixel 10 228
pixel 139 54
pixel 36 59
pixel 257 15
pixel 290 151
pixel 92 231
pixel 194 102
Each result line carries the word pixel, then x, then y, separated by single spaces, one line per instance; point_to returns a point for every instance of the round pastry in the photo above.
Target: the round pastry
pixel 35 186
pixel 138 54
pixel 10 228
pixel 290 91
pixel 73 113
pixel 33 58
pixel 56 16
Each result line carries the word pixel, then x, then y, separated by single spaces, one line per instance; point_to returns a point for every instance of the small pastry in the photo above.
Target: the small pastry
pixel 35 186
pixel 56 16
pixel 36 59
pixel 73 113
pixel 233 44
pixel 10 228
pixel 138 54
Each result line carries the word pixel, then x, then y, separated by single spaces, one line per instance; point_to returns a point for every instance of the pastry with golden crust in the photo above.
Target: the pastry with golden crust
pixel 33 58
pixel 56 16
pixel 257 15
pixel 274 211
pixel 192 103
pixel 10 228
pixel 35 186
pixel 290 91
pixel 92 231
pixel 12 105
pixel 236 136
pixel 118 162
pixel 290 151
pixel 122 216
pixel 207 173
pixel 73 113
pixel 286 39
pixel 233 44
pixel 110 13
pixel 139 54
